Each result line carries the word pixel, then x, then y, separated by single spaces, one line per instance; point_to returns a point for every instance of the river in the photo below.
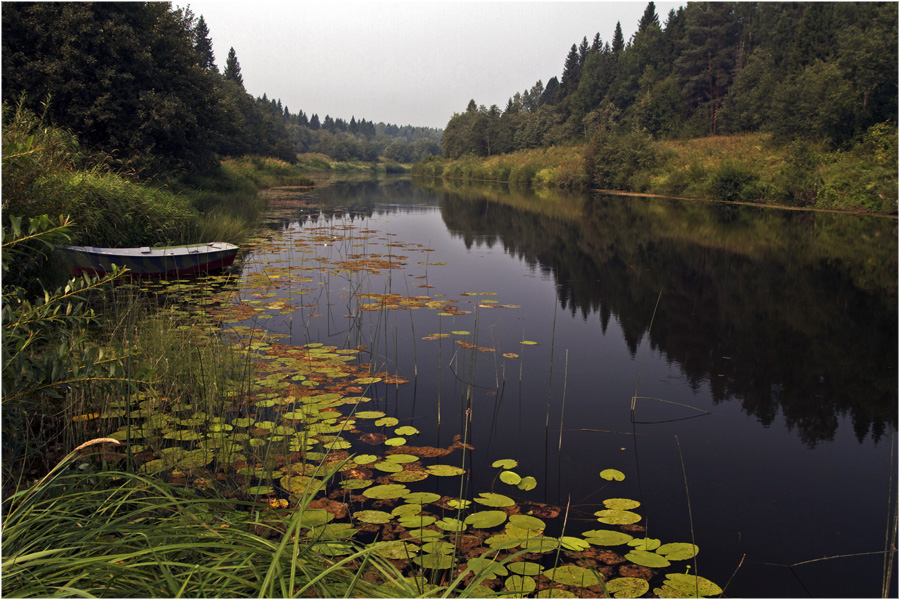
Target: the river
pixel 737 364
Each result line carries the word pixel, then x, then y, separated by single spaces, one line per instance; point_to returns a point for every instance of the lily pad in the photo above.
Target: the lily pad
pixel 510 478
pixel 395 441
pixel 356 484
pixel 527 483
pixel 495 500
pixel 401 458
pixel 678 551
pixel 486 519
pixel 406 430
pixel 408 476
pixel 369 414
pixel 365 459
pixel 416 521
pixel 573 575
pixel 486 567
pixel 421 497
pixel 406 510
pixel 386 492
pixel 648 544
pixel 397 550
pixel 389 467
pixel 525 568
pixel 438 547
pixel 450 524
pixel 520 584
pixel 607 537
pixel 620 503
pixel 459 503
pixel 377 517
pixel 505 463
pixel 627 587
pixel 574 544
pixel 647 559
pixel 682 585
pixel 527 522
pixel 386 422
pixel 445 470
pixel 617 517
pixel 434 561
pixel 612 475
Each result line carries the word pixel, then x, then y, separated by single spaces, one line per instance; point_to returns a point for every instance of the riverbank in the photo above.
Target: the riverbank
pixel 749 168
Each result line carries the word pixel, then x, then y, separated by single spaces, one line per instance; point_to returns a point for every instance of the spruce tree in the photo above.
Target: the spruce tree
pixel 618 41
pixel 233 69
pixel 203 46
pixel 570 75
pixel 649 18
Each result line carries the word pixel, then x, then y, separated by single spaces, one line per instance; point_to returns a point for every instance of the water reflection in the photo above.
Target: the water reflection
pixel 784 311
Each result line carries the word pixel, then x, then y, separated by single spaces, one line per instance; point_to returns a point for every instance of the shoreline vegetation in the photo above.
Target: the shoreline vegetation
pixel 748 169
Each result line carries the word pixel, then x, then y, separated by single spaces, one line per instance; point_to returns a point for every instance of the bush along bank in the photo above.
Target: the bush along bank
pixel 747 168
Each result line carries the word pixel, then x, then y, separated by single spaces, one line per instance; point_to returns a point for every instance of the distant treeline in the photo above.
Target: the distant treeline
pixel 820 72
pixel 139 82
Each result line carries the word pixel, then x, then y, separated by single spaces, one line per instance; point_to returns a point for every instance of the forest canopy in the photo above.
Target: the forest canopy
pixel 818 71
pixel 139 82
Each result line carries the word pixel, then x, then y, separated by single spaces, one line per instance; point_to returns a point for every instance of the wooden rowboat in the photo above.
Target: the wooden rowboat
pixel 146 261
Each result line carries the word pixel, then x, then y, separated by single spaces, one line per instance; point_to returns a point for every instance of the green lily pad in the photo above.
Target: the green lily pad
pixel 612 475
pixel 421 497
pixel 486 519
pixel 486 567
pixel 389 467
pixel 620 503
pixel 434 561
pixel 369 414
pixel 528 343
pixel 406 430
pixel 502 541
pixel 495 500
pixel 386 422
pixel 617 517
pixel 527 522
pixel 540 544
pixel 527 483
pixel 459 503
pixel 505 463
pixel 450 524
pixel 520 584
pixel 356 484
pixel 647 559
pixel 525 568
pixel 555 593
pixel 397 550
pixel 573 575
pixel 510 478
pixel 408 476
pixel 438 547
pixel 416 521
pixel 574 544
pixel 406 510
pixel 386 492
pixel 682 585
pixel 444 470
pixel 365 459
pixel 648 544
pixel 627 587
pixel 377 517
pixel 260 490
pixel 395 441
pixel 401 458
pixel 678 551
pixel 607 537
pixel 425 534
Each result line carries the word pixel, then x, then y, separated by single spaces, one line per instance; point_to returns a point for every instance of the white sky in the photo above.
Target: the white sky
pixel 406 63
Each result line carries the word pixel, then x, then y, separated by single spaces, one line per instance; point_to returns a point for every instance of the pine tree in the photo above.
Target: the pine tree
pixel 203 46
pixel 582 51
pixel 314 122
pixel 571 73
pixel 618 41
pixel 649 18
pixel 233 69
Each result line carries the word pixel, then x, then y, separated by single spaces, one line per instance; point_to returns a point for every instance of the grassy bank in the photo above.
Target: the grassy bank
pixel 749 168
pixel 315 161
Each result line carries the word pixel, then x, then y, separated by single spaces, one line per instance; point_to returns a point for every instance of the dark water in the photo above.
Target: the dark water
pixel 765 424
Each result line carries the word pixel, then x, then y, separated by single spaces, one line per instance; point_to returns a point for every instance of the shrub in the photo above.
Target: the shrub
pixel 730 180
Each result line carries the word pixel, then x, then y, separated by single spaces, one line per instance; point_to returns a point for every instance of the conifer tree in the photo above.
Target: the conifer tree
pixel 203 46
pixel 649 18
pixel 233 69
pixel 570 75
pixel 618 41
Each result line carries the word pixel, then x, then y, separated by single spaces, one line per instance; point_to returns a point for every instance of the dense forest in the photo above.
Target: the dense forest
pixel 139 83
pixel 814 72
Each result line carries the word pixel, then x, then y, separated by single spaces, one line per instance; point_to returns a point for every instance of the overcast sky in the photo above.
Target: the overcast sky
pixel 406 63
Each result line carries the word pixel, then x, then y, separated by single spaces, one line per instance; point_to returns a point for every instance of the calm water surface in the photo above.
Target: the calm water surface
pixel 761 346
